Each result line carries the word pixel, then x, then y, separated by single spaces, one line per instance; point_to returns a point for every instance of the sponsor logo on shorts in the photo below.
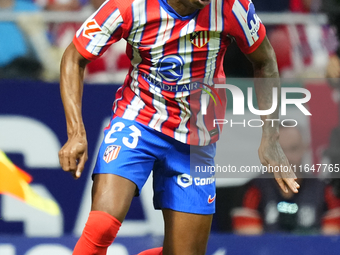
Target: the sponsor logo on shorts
pixel 111 153
pixel 185 180
pixel 211 199
pixel 203 181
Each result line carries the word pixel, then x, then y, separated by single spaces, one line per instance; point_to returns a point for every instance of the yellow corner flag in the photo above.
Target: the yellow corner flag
pixel 15 182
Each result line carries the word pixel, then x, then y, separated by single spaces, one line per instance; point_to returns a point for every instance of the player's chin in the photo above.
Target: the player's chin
pixel 202 3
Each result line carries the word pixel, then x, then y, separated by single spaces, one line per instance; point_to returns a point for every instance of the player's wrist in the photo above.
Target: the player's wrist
pixel 78 132
pixel 270 133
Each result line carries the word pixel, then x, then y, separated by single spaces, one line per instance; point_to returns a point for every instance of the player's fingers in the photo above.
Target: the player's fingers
pixel 292 184
pixel 60 158
pixel 289 178
pixel 73 161
pixel 64 160
pixel 81 165
pixel 281 184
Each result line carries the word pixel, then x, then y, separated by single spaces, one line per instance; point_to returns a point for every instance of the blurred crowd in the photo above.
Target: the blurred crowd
pixel 264 207
pixel 32 49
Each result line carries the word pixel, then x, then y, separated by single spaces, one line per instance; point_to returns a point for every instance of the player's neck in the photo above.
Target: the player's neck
pixel 181 7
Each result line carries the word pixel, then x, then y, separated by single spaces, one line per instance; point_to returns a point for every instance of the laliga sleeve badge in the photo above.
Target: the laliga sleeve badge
pixel 111 153
pixel 200 38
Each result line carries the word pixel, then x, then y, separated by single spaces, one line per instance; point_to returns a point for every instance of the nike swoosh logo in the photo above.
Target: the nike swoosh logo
pixel 211 199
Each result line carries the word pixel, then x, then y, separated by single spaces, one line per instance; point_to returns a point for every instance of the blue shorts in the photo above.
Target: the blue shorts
pixel 132 150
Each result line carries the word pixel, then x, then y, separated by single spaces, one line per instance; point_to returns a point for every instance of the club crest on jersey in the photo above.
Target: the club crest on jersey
pixel 200 38
pixel 91 28
pixel 111 153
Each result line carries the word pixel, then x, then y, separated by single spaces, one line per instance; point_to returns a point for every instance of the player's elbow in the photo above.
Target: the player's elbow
pixel 72 56
pixel 266 69
pixel 264 60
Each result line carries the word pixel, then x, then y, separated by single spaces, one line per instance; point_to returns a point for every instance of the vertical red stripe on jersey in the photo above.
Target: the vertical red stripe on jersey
pixel 145 114
pixel 172 107
pixel 151 28
pixel 174 113
pixel 199 60
pixel 171 47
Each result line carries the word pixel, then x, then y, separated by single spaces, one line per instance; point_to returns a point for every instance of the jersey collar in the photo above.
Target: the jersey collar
pixel 173 13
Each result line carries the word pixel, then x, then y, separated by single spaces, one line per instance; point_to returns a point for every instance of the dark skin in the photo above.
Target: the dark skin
pixel 270 151
pixel 185 233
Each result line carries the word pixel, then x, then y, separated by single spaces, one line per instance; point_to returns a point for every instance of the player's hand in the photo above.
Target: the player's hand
pixel 73 155
pixel 271 153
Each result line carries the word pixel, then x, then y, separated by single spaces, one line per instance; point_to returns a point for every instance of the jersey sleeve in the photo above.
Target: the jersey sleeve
pixel 244 25
pixel 99 31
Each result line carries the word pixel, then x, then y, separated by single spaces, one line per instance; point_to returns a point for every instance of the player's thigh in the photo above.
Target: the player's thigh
pixel 185 233
pixel 187 201
pixel 178 187
pixel 125 159
pixel 112 194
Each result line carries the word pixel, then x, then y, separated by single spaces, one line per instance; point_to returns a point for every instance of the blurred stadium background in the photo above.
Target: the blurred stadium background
pixel 33 36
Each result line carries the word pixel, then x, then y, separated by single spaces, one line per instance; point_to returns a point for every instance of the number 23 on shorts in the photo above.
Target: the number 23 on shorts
pixel 118 127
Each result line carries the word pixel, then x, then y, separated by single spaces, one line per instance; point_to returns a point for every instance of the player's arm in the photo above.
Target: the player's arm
pixel 105 25
pixel 266 78
pixel 73 154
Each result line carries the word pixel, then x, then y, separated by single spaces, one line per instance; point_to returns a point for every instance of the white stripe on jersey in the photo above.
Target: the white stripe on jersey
pixel 110 25
pixel 139 16
pixel 215 41
pixel 181 132
pixel 219 14
pixel 139 21
pixel 203 133
pixel 213 25
pixel 185 50
pixel 132 109
pixel 214 47
pixel 163 35
pixel 161 115
pixel 242 16
pixel 156 52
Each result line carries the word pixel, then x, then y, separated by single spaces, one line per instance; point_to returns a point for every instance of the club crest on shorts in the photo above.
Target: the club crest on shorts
pixel 200 38
pixel 111 153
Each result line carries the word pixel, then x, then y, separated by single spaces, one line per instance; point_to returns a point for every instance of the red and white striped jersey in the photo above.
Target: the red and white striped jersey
pixel 168 52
